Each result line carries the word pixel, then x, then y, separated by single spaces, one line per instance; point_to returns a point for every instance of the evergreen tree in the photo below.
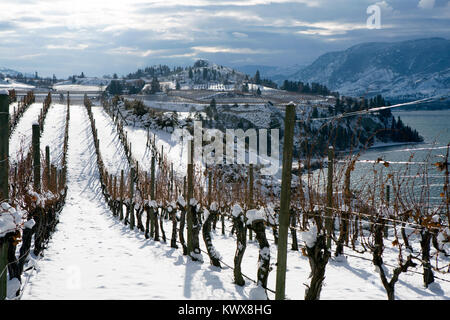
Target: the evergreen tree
pixel 155 85
pixel 211 110
pixel 315 113
pixel 257 77
pixel 115 88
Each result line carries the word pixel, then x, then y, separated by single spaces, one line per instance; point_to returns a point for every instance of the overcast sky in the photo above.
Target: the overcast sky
pixel 103 37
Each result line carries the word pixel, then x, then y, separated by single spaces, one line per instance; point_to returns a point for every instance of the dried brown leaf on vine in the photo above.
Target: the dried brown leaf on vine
pixel 304 252
pixel 440 166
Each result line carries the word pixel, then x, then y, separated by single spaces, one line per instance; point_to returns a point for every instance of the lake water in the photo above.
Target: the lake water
pixel 434 127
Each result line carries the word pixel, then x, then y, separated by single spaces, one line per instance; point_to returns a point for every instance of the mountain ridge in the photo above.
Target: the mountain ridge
pixel 404 70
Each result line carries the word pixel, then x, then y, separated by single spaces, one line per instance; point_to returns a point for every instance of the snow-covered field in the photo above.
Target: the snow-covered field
pixel 11 84
pixel 113 153
pixel 21 136
pixel 78 88
pixel 94 256
pixel 53 135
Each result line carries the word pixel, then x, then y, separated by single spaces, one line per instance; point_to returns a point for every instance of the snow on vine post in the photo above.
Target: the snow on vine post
pixel 256 221
pixel 11 223
pixel 241 242
pixel 317 253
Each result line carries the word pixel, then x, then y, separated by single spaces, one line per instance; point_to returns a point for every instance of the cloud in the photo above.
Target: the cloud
pixel 80 46
pixel 132 52
pixel 426 4
pixel 329 28
pixel 240 35
pixel 231 50
pixel 84 34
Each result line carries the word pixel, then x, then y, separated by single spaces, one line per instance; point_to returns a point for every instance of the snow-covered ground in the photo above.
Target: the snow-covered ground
pixel 111 149
pixel 11 107
pixel 54 129
pixel 21 136
pixel 87 84
pixel 173 150
pixel 93 256
pixel 79 88
pixel 12 84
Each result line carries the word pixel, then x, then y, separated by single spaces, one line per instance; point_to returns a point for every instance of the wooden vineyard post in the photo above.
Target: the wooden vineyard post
pixel 152 196
pixel 190 189
pixel 36 158
pixel 121 191
pixel 171 179
pixel 4 188
pixel 184 187
pixel 329 212
pixel 345 214
pixel 4 146
pixel 3 267
pixel 250 197
pixel 285 202
pixel 53 178
pixel 132 172
pixel 209 188
pixel 388 200
pixel 47 165
pixel 190 194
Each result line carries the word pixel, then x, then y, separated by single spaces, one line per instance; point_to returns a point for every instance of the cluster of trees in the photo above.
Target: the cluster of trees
pixel 154 71
pixel 264 82
pixel 300 87
pixel 211 110
pixel 358 128
pixel 118 87
pixel 74 77
pixel 205 74
pixel 399 132
pixel 31 80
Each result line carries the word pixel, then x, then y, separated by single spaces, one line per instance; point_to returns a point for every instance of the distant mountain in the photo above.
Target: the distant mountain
pixel 8 72
pixel 399 71
pixel 12 73
pixel 277 74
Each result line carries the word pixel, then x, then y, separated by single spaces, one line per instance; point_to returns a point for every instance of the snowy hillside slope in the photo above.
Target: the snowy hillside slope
pixel 82 84
pixel 12 84
pixel 21 136
pixel 400 70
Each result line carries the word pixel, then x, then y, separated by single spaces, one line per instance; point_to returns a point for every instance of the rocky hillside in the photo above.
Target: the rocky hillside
pixel 399 71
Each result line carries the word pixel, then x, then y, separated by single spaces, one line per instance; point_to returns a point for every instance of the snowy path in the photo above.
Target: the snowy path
pixel 21 136
pixel 111 148
pixel 53 135
pixel 93 256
